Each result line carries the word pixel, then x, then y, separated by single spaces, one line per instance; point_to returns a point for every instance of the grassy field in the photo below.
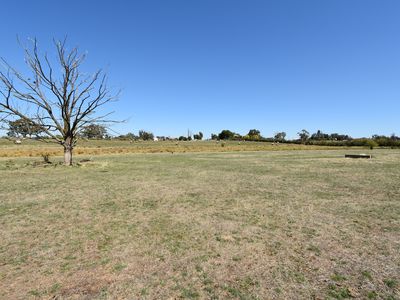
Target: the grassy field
pixel 235 225
pixel 32 148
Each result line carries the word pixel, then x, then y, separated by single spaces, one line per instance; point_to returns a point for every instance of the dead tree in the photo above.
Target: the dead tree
pixel 57 97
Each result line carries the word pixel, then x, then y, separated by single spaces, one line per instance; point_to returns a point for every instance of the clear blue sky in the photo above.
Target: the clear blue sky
pixel 209 65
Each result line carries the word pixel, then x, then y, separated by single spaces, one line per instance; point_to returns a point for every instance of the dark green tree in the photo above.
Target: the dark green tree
pixel 129 136
pixel 226 135
pixel 280 136
pixel 24 128
pixel 94 131
pixel 146 135
pixel 304 135
pixel 253 135
pixel 254 132
pixel 198 136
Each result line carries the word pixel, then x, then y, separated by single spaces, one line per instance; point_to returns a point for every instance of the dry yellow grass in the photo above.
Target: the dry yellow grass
pixel 248 225
pixel 35 148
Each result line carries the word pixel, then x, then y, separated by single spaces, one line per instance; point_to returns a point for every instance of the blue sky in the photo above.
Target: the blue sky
pixel 209 65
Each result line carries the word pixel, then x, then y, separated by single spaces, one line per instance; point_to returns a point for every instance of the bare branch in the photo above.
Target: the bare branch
pixel 60 103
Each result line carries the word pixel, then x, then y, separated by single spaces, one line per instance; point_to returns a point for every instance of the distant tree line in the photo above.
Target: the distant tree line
pixel 252 135
pixel 143 135
pixel 22 129
pixel 335 139
pixel 317 138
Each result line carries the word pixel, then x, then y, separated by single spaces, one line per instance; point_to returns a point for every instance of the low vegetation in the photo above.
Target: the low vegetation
pixel 240 225
pixel 32 148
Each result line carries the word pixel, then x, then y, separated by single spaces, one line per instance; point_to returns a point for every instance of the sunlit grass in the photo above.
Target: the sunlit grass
pixel 241 225
pixel 30 148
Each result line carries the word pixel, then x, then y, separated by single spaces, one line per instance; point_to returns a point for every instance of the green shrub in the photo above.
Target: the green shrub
pixel 371 144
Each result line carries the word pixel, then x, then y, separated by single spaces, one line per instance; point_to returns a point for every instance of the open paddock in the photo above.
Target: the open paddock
pixel 235 225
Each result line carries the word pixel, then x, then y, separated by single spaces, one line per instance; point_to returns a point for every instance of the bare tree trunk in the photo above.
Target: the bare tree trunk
pixel 68 151
pixel 78 97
